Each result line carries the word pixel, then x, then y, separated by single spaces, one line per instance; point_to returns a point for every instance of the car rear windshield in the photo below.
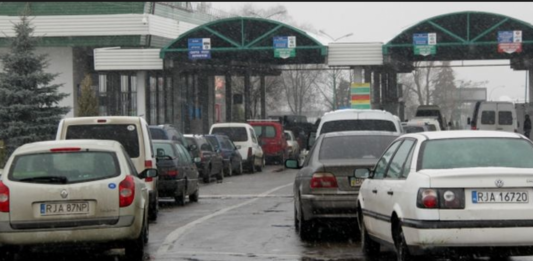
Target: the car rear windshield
pixel 213 141
pixel 126 134
pixel 505 118
pixel 64 168
pixel 235 134
pixel 413 129
pixel 158 134
pixel 358 125
pixel 164 149
pixel 425 113
pixel 265 131
pixel 354 147
pixel 476 152
pixel 488 117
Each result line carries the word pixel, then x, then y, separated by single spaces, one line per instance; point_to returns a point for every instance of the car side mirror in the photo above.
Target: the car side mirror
pixel 468 121
pixel 362 173
pixel 292 164
pixel 149 173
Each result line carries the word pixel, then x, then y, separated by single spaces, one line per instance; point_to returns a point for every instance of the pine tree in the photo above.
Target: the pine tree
pixel 29 108
pixel 87 103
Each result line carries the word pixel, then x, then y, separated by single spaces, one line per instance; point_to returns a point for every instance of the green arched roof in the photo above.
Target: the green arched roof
pixel 468 35
pixel 246 39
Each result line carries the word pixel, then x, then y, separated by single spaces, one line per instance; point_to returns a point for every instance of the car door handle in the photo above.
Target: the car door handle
pixel 390 192
pixel 375 191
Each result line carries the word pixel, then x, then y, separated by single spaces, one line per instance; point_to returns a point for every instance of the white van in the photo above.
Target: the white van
pixel 244 137
pixel 500 116
pixel 359 120
pixel 132 132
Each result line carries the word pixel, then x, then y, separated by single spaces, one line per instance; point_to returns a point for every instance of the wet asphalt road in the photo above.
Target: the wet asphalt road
pixel 247 217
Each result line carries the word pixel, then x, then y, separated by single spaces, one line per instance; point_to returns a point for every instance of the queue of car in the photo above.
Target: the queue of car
pixel 415 190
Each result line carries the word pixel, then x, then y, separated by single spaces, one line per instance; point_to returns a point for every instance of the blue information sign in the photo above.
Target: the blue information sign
pixel 420 39
pixel 199 48
pixel 281 42
pixel 505 36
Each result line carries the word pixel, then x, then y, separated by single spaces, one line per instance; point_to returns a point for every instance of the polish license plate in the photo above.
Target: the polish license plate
pixel 355 182
pixel 496 196
pixel 71 208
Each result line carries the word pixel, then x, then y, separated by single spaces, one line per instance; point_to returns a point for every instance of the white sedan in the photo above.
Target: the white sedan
pixel 450 193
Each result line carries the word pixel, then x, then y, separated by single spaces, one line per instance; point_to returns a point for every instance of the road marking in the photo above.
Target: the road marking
pixel 176 234
pixel 197 253
pixel 244 196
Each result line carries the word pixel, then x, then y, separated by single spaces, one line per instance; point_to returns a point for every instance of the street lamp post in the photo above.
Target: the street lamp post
pixel 334 103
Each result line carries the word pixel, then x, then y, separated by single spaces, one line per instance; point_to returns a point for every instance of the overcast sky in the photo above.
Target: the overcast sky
pixel 380 22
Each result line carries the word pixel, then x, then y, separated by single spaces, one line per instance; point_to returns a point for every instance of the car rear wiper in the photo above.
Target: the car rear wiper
pixel 47 179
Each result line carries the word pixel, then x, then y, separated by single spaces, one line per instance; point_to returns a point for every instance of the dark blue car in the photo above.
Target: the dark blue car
pixel 230 153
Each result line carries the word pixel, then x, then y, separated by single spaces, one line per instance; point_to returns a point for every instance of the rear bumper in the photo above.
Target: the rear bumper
pixel 169 188
pixel 126 228
pixel 329 206
pixel 456 239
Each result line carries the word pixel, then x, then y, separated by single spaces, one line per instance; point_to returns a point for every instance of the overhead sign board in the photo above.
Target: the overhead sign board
pixel 284 46
pixel 360 96
pixel 199 48
pixel 510 41
pixel 425 43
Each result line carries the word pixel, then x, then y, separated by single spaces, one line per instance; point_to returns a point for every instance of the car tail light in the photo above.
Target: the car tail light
pixel 4 198
pixel 442 198
pixel 101 121
pixel 148 164
pixel 126 191
pixel 323 180
pixel 474 128
pixel 173 172
pixel 249 152
pixel 64 149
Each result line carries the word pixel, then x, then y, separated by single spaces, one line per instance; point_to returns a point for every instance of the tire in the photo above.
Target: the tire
pixel 135 248
pixel 305 228
pixel 370 247
pixel 7 253
pixel 402 251
pixel 220 176
pixel 153 210
pixel 194 196
pixel 180 199
pixel 229 170
pixel 239 170
pixel 207 176
pixel 252 166
pixel 262 166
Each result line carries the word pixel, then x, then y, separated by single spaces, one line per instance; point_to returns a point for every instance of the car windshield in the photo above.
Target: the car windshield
pixel 126 134
pixel 64 168
pixel 359 125
pixel 236 134
pixel 413 129
pixel 158 134
pixel 212 140
pixel 354 147
pixel 476 152
pixel 164 149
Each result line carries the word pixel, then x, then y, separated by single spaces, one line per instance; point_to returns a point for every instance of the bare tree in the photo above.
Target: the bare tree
pixel 300 87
